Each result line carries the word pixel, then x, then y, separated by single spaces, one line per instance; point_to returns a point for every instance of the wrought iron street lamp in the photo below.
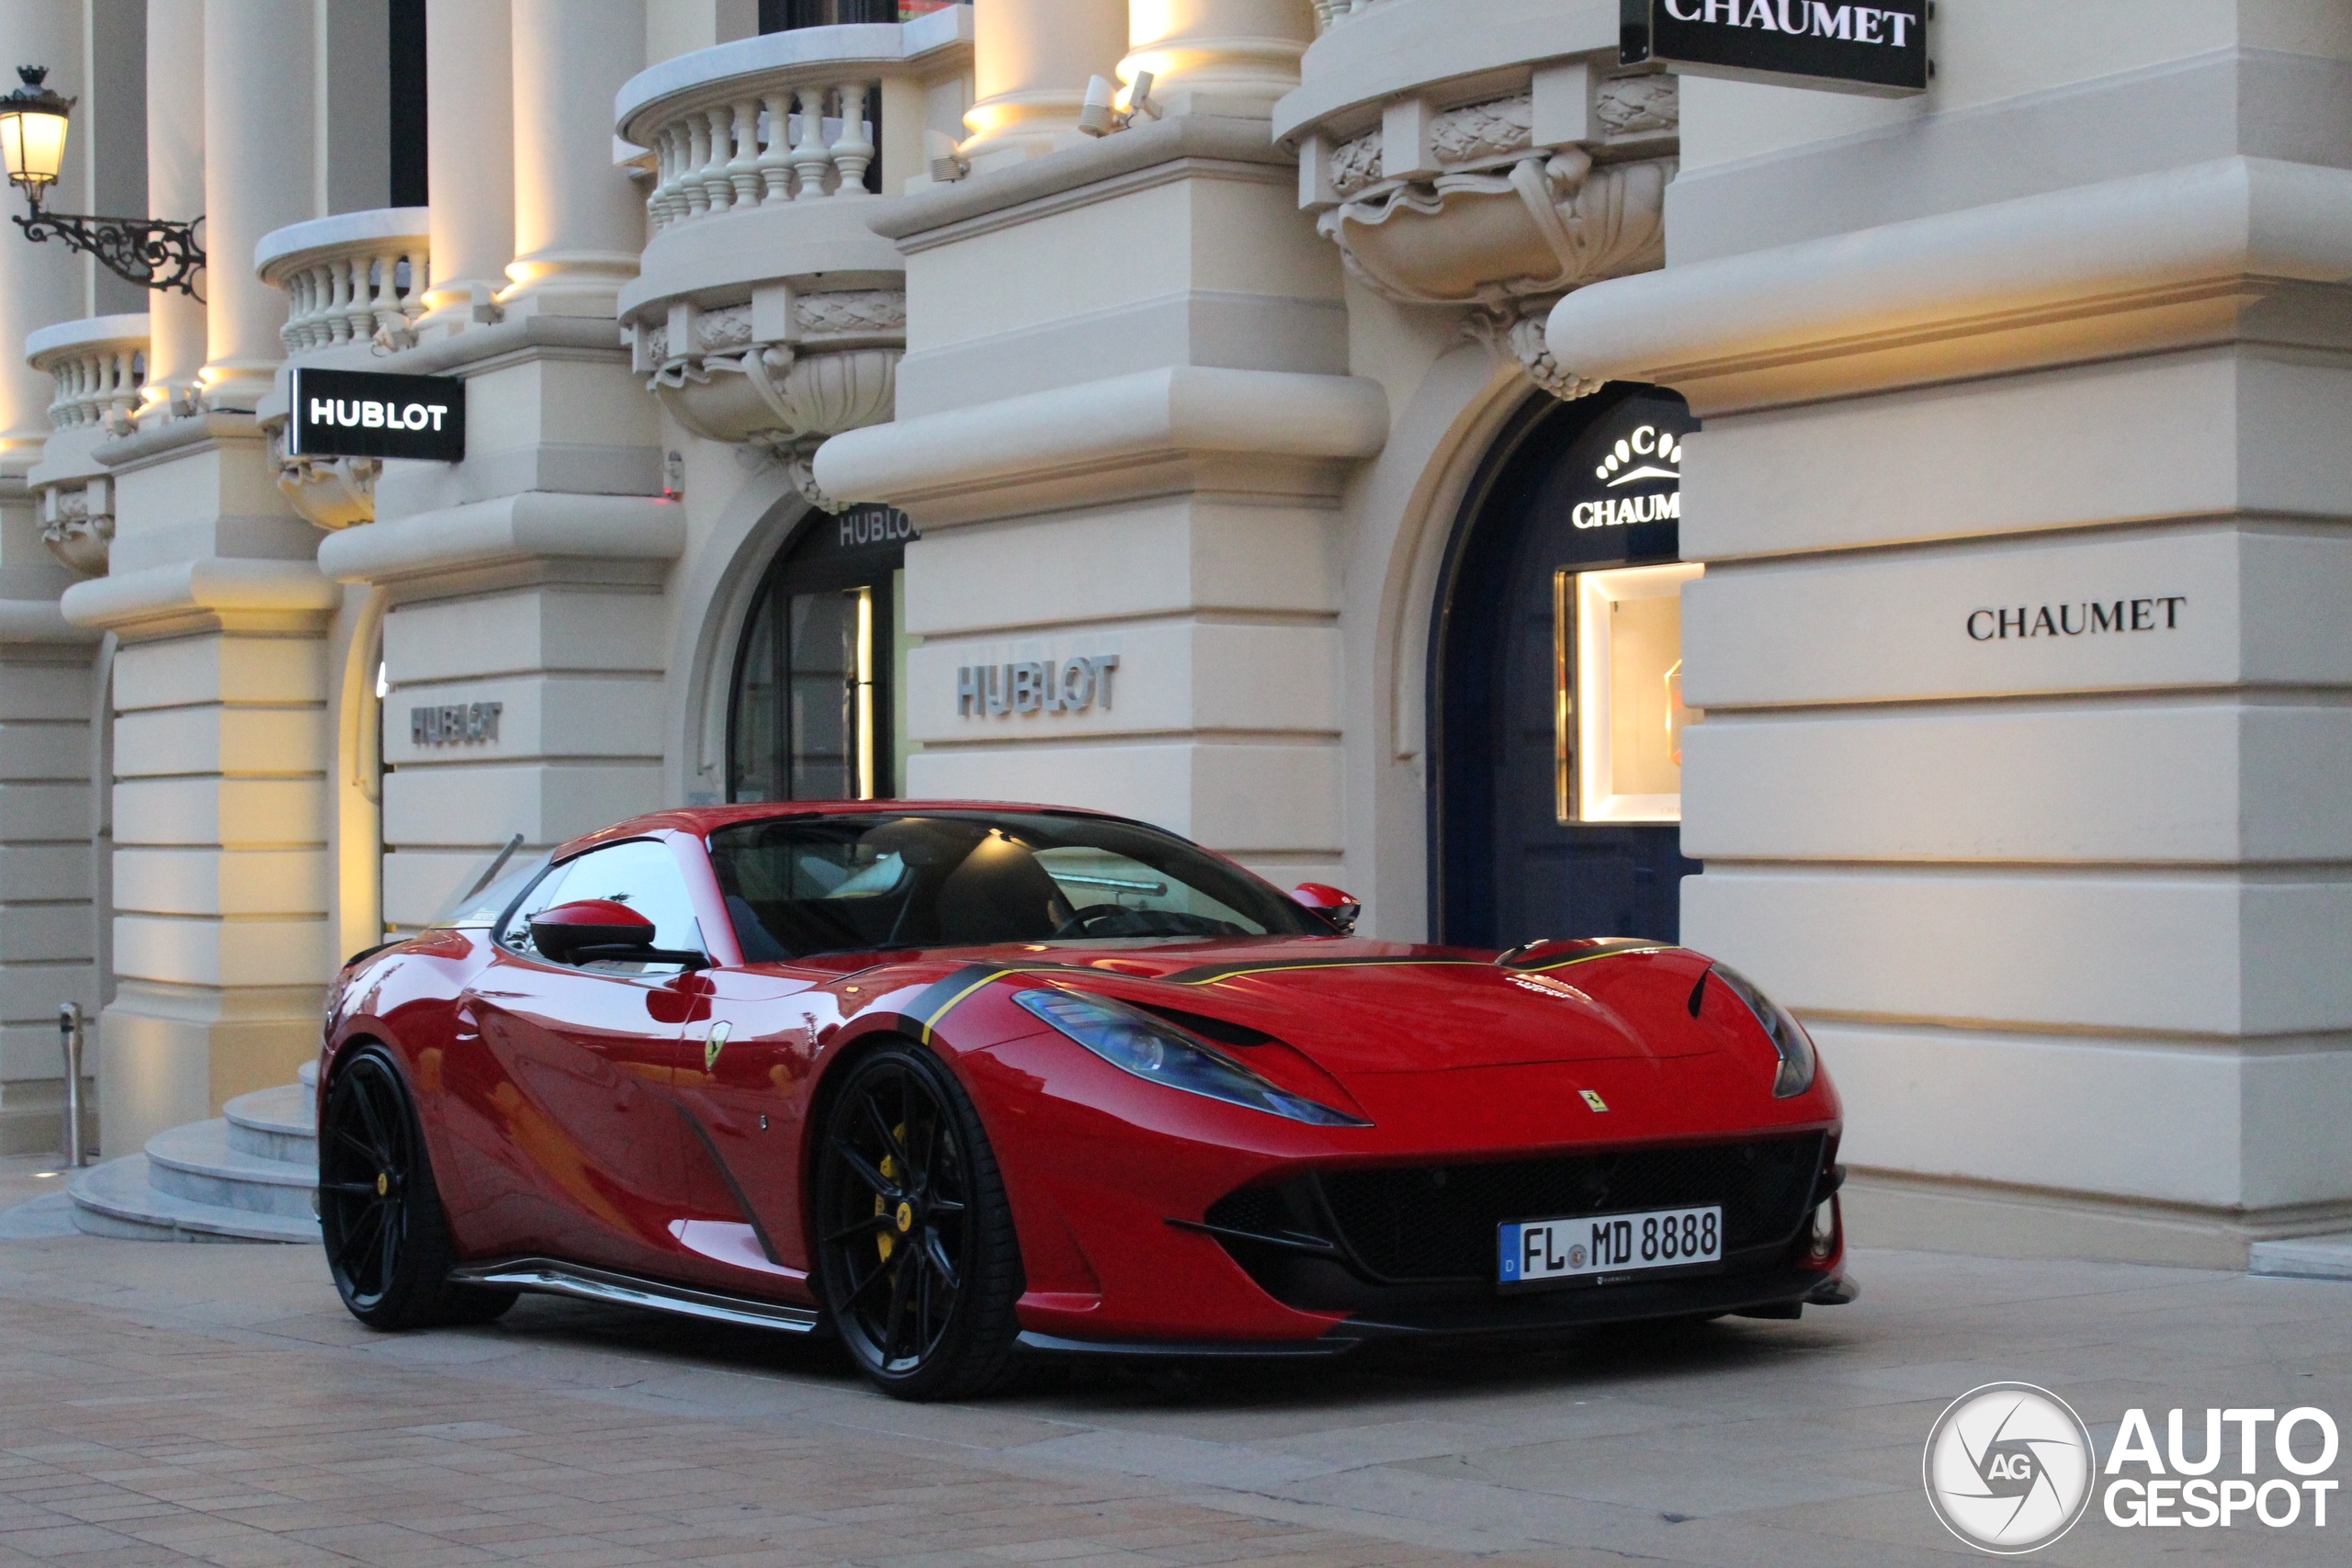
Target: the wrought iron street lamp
pixel 154 253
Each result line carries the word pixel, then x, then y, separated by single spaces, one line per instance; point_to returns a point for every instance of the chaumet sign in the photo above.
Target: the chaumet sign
pixel 1644 456
pixel 1881 50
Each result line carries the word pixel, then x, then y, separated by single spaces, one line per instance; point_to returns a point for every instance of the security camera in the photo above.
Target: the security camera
pixel 1140 98
pixel 1101 114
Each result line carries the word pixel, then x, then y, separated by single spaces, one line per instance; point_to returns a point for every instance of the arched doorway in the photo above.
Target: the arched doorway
pixel 813 711
pixel 1556 714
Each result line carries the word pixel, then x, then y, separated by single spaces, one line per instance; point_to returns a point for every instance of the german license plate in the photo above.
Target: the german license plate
pixel 1536 1252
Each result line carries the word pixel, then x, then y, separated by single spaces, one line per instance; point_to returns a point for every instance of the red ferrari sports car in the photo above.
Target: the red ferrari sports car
pixel 965 1082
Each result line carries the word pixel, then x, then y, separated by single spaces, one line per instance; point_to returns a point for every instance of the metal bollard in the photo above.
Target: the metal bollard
pixel 69 1036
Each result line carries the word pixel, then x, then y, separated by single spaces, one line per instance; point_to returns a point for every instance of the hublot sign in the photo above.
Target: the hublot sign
pixel 1879 49
pixel 870 526
pixel 1070 685
pixel 453 723
pixel 360 413
pixel 2088 617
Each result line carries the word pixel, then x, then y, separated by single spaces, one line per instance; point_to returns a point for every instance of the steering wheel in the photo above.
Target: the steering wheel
pixel 1110 915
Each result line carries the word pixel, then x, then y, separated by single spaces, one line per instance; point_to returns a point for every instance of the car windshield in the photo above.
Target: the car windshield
pixel 491 893
pixel 797 886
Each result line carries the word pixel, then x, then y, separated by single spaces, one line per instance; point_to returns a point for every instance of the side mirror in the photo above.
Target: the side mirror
pixel 1340 909
pixel 590 929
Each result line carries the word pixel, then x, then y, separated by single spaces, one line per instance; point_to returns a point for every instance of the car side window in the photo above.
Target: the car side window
pixel 641 873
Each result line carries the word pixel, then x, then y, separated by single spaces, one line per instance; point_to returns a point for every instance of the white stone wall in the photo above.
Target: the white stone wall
pixel 47 931
pixel 48 804
pixel 576 669
pixel 2065 903
pixel 2068 916
pixel 529 576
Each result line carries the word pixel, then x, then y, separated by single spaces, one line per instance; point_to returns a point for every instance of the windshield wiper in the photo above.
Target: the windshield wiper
pixel 877 947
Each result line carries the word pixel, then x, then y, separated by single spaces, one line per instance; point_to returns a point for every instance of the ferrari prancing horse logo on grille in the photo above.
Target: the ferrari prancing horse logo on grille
pixel 1592 1099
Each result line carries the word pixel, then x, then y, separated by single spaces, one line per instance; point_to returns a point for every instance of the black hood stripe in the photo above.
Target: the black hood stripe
pixel 941 996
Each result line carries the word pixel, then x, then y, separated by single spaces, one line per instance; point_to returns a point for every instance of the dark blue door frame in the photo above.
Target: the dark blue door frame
pixel 1503 868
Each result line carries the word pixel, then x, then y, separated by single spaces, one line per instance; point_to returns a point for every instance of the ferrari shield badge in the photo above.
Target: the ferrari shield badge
pixel 713 1046
pixel 1591 1097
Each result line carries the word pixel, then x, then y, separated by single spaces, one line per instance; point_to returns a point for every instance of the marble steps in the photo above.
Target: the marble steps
pixel 2303 1257
pixel 250 1175
pixel 276 1125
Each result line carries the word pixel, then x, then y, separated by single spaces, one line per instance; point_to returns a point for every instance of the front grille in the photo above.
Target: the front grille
pixel 1438 1221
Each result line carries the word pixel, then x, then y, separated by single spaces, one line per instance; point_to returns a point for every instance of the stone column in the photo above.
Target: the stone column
pixel 219 868
pixel 579 221
pixel 46 805
pixel 176 323
pixel 1030 63
pixel 1232 57
pixel 528 581
pixel 39 284
pixel 45 788
pixel 257 78
pixel 469 150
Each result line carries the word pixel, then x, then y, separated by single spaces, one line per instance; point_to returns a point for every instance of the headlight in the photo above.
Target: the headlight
pixel 1134 1042
pixel 1798 1061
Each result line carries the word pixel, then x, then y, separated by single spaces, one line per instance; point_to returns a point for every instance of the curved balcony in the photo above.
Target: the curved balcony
pixel 789 116
pixel 98 367
pixel 355 288
pixel 358 278
pixel 1495 167
pixel 765 311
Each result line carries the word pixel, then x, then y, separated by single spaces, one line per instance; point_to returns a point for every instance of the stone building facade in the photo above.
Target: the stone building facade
pixel 1896 544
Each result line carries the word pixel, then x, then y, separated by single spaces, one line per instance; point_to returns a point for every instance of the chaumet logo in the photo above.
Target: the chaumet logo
pixel 1803 18
pixel 1645 455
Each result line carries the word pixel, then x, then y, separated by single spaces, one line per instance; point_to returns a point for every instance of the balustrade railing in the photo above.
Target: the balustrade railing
pixel 791 116
pixel 355 278
pixel 785 143
pixel 97 365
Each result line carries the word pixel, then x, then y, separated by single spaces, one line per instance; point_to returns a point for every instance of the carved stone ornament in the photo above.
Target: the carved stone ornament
pixel 331 492
pixel 1639 106
pixel 1520 334
pixel 76 536
pixel 1485 216
pixel 837 371
pixel 1545 224
pixel 798 461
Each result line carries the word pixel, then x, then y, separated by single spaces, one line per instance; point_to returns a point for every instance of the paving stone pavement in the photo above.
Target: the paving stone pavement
pixel 182 1405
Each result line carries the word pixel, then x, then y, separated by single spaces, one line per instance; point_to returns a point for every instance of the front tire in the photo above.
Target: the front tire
pixel 916 1254
pixel 379 1213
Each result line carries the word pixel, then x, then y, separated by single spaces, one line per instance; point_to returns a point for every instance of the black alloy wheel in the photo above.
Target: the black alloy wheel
pixel 916 1252
pixel 380 1213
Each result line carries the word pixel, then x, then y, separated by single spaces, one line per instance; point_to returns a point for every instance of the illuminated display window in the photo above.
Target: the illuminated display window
pixel 1618 715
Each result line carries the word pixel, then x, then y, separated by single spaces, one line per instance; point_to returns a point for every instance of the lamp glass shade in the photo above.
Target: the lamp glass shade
pixel 32 142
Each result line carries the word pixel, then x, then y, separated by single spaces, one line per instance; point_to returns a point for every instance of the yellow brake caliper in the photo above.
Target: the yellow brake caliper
pixel 886 1241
